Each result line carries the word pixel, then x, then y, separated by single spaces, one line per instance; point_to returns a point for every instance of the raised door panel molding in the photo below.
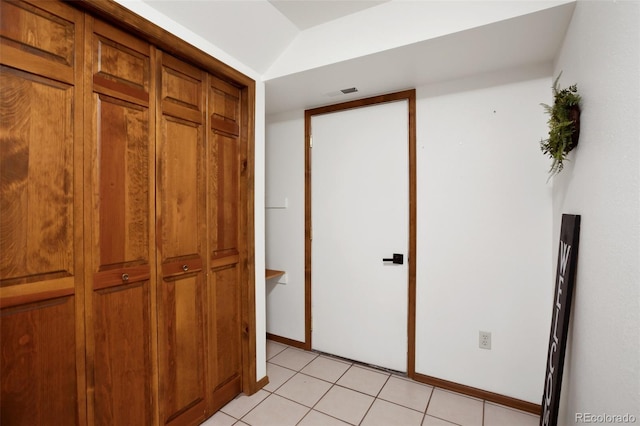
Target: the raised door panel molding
pixel 181 225
pixel 224 168
pixel 181 349
pixel 37 168
pixel 122 362
pixel 119 154
pixel 37 364
pixel 225 107
pixel 224 335
pixel 120 64
pixel 225 328
pixel 40 37
pixel 41 174
pixel 182 90
pixel 181 181
pixel 122 172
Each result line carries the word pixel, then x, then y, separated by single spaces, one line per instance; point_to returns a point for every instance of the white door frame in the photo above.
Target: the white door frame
pixel 410 96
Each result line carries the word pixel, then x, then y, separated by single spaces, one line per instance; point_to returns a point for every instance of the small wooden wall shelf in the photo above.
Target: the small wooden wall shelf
pixel 272 273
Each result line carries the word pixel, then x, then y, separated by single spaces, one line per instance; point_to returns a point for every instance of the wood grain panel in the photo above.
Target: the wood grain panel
pixel 120 64
pixel 123 359
pixel 121 91
pixel 224 179
pixel 181 180
pixel 225 338
pixel 181 225
pixel 45 40
pixel 120 354
pixel 124 62
pixel 120 276
pixel 123 181
pixel 36 177
pixel 38 32
pixel 41 259
pixel 225 258
pixel 182 357
pixel 38 364
pixel 224 334
pixel 170 43
pixel 225 108
pixel 178 268
pixel 36 291
pixel 182 85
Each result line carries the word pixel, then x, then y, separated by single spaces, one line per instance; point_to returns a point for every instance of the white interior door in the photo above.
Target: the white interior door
pixel 360 215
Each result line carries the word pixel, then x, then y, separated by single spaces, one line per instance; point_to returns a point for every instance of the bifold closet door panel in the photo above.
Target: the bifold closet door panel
pixel 120 214
pixel 225 325
pixel 41 259
pixel 181 227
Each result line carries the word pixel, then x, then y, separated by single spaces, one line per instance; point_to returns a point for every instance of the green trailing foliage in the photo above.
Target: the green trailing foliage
pixel 562 125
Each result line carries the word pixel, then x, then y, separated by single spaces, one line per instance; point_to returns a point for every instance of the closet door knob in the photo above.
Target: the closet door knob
pixel 125 277
pixel 185 268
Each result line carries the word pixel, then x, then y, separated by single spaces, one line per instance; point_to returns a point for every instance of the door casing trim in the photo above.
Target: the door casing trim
pixel 410 97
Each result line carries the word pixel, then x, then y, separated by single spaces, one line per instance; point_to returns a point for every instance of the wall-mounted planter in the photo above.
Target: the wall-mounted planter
pixel 574 116
pixel 564 125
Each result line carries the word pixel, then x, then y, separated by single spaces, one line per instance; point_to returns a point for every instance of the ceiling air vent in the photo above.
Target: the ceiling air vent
pixel 349 90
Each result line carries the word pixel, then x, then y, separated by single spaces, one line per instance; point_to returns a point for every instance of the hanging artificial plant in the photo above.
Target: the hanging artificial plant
pixel 564 125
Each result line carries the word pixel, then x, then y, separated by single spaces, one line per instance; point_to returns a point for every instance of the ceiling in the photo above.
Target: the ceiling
pixel 258 32
pixel 255 32
pixel 305 14
pixel 518 48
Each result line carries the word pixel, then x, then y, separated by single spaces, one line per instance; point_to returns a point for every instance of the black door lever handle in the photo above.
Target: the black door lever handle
pixel 397 259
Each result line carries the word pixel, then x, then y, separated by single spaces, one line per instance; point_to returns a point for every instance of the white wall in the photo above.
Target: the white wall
pixel 484 235
pixel 601 54
pixel 285 226
pixel 159 19
pixel 484 231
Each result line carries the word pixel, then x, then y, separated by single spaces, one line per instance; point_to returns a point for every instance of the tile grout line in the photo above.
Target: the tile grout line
pixel 269 392
pixel 484 406
pixel 424 415
pixel 374 399
pixel 296 372
pixel 404 406
pixel 333 384
pixel 351 364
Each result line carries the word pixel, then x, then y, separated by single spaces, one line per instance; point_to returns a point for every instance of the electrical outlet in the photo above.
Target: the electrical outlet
pixel 484 341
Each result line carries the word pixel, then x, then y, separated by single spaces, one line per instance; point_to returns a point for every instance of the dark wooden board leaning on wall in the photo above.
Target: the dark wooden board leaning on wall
pixel 563 294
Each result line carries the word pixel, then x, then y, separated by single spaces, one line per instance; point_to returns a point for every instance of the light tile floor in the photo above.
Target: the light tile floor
pixel 310 389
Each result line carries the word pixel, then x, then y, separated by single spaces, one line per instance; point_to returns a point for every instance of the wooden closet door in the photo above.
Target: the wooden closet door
pixel 224 289
pixel 181 225
pixel 41 259
pixel 120 213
